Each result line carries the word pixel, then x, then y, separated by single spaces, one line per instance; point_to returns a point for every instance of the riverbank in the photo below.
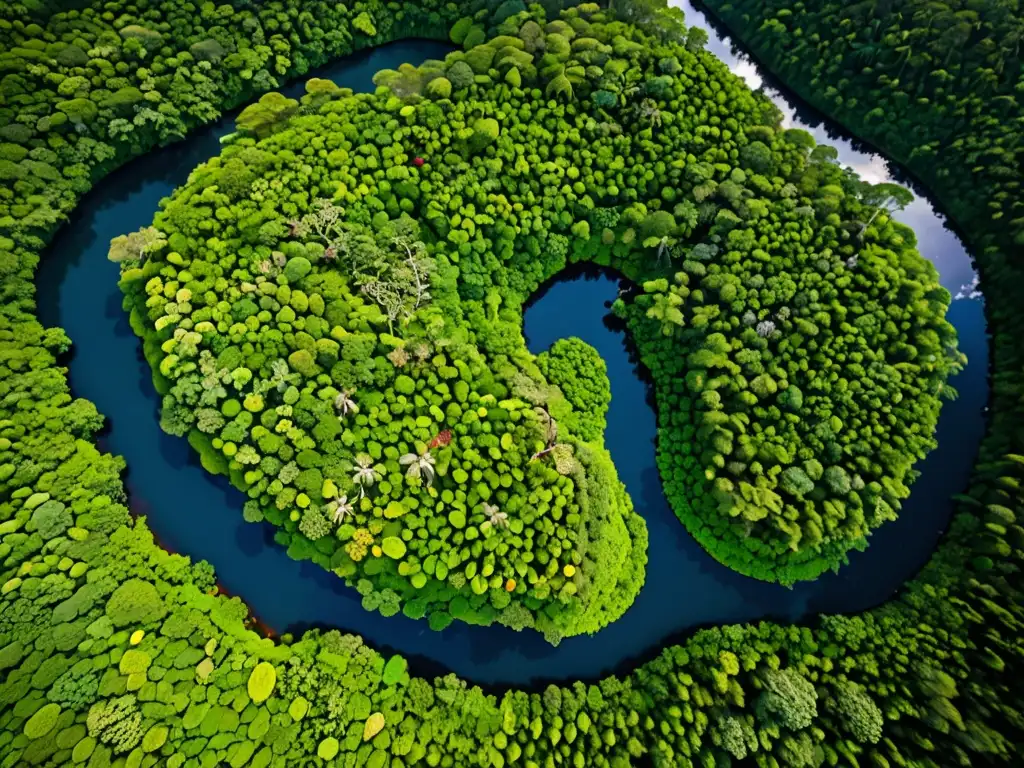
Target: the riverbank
pixel 193 512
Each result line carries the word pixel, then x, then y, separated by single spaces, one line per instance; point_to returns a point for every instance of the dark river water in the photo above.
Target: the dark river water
pixel 196 514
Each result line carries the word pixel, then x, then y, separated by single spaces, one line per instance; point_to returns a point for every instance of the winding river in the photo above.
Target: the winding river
pixel 200 515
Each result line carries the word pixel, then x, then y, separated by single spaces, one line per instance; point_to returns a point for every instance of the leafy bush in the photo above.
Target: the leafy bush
pixel 51 519
pixel 42 722
pixel 135 602
pixel 262 681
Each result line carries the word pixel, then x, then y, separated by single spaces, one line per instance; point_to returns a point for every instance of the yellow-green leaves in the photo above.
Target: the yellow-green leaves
pixel 42 722
pixel 394 510
pixel 393 547
pixel 261 681
pixel 374 725
pixel 327 749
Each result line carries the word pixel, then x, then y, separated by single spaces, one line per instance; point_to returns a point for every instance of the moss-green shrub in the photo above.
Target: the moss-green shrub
pixel 42 722
pixel 135 602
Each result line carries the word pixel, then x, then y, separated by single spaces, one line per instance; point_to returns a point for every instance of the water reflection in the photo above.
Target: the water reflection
pixel 938 243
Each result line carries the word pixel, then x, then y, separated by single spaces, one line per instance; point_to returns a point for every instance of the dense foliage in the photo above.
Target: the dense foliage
pixel 113 652
pixel 578 370
pixel 791 428
pixel 401 462
pixel 936 85
pixel 337 297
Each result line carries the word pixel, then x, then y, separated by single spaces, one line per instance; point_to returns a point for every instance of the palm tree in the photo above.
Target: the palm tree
pixel 366 474
pixel 866 52
pixel 495 517
pixel 665 310
pixel 550 427
pixel 419 465
pixel 1014 37
pixel 648 112
pixel 345 404
pixel 907 52
pixel 340 509
pixel 281 377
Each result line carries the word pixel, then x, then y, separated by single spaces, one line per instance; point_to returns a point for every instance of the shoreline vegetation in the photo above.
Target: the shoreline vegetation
pixel 117 653
pixel 347 355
